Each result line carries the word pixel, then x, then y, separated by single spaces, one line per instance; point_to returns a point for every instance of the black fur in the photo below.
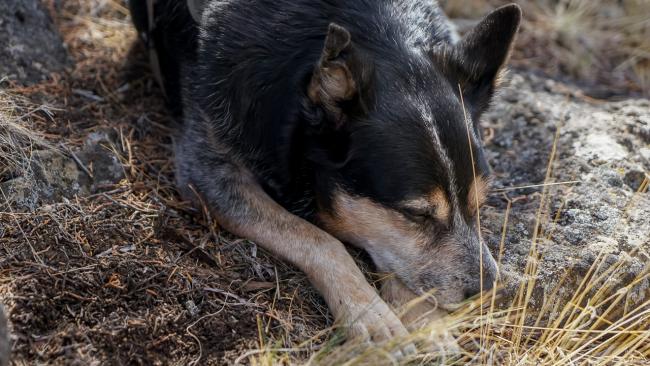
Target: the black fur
pixel 173 36
pixel 257 57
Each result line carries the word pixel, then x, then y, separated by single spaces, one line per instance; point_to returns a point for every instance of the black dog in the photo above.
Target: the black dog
pixel 310 123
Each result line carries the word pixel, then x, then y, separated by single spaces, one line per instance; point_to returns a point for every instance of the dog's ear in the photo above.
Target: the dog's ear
pixel 196 8
pixel 339 77
pixel 477 60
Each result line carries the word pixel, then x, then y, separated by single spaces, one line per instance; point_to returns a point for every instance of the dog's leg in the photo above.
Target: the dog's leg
pixel 242 207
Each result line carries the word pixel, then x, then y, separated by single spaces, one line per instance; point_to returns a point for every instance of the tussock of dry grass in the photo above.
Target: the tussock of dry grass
pixel 602 44
pixel 607 42
pixel 132 274
pixel 17 137
pixel 602 323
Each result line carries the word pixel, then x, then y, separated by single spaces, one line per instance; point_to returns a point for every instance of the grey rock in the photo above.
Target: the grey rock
pixel 634 178
pixel 97 155
pixel 57 174
pixel 192 308
pixel 49 177
pixel 599 145
pixel 30 46
pixel 5 346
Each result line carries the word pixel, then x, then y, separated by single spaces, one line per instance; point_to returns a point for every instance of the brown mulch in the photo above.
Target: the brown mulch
pixel 131 274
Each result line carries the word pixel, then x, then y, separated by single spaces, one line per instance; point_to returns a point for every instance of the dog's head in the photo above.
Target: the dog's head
pixel 401 170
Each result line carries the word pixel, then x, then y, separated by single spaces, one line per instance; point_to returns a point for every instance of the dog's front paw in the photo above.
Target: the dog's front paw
pixel 415 311
pixel 421 316
pixel 377 323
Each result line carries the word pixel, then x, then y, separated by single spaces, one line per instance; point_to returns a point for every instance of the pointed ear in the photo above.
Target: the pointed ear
pixel 196 8
pixel 477 60
pixel 338 74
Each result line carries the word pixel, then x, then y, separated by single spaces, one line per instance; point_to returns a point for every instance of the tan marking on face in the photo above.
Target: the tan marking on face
pixel 368 225
pixel 477 194
pixel 401 246
pixel 442 209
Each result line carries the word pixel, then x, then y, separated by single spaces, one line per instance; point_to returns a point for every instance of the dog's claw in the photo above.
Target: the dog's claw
pixel 410 349
pixel 379 325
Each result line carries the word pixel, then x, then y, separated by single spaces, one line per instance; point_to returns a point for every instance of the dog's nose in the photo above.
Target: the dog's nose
pixel 487 278
pixel 475 287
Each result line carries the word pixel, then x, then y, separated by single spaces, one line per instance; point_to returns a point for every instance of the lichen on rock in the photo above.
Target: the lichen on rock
pixel 30 45
pixel 52 175
pixel 595 203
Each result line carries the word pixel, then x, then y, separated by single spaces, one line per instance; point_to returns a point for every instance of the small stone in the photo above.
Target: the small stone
pixel 5 345
pixel 191 308
pixel 634 179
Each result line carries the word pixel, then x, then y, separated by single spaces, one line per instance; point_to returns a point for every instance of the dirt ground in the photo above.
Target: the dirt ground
pixel 102 263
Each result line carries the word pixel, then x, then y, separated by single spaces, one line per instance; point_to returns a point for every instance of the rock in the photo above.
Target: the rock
pixel 51 176
pixel 5 346
pixel 58 174
pixel 191 307
pixel 30 46
pixel 96 154
pixel 600 158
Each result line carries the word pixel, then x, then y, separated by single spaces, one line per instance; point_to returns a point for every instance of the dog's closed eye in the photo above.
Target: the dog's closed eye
pixel 417 214
pixel 435 206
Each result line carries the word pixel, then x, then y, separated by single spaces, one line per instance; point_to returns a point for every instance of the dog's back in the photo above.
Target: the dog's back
pixel 248 60
pixel 267 40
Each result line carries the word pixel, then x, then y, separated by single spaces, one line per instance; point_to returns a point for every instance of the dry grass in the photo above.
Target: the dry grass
pixel 606 42
pixel 132 274
pixel 597 326
pixel 604 45
pixel 17 136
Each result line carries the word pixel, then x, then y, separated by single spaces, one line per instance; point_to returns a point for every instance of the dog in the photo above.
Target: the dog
pixel 307 124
